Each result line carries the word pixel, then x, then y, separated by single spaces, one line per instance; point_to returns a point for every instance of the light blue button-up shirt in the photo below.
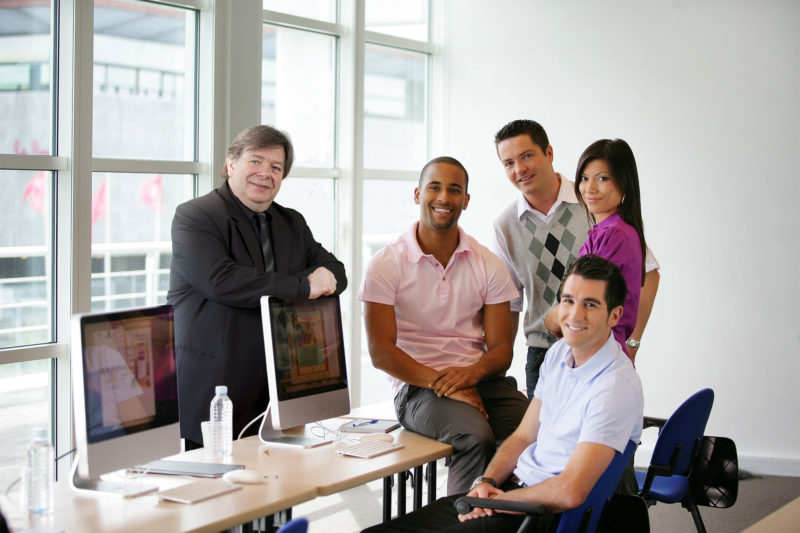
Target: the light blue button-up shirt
pixel 600 401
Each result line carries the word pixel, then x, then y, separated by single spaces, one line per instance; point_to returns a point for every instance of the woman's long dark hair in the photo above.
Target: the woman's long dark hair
pixel 622 166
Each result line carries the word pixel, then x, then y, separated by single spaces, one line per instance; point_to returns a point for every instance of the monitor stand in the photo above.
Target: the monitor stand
pixel 267 434
pixel 100 487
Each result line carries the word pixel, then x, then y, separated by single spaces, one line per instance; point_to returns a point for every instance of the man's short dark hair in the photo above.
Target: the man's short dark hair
pixel 445 160
pixel 531 128
pixel 258 137
pixel 594 267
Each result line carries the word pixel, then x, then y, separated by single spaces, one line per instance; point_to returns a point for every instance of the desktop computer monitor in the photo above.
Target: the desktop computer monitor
pixel 306 370
pixel 125 391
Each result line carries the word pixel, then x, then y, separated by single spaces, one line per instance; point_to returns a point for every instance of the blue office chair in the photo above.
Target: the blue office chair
pixel 295 525
pixel 583 519
pixel 667 478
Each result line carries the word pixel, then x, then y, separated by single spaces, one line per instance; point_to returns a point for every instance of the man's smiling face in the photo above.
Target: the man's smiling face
pixel 527 167
pixel 584 316
pixel 255 177
pixel 442 196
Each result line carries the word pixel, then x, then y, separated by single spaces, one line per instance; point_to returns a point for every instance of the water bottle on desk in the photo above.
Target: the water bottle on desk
pixel 221 422
pixel 39 474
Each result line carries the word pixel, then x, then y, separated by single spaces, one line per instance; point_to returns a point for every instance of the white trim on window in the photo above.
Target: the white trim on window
pixel 33 162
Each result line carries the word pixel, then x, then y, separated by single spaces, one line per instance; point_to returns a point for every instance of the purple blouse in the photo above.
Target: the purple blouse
pixel 617 241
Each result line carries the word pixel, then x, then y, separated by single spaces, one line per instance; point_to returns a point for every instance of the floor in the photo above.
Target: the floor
pixel 355 509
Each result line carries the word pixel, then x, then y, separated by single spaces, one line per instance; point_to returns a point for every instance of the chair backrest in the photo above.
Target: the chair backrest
pixel 577 519
pixel 295 525
pixel 714 480
pixel 684 428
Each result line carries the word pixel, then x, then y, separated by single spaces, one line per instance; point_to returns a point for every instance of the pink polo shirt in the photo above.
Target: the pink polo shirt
pixel 438 309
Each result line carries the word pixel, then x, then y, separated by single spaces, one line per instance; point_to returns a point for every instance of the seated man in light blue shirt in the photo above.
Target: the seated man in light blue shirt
pixel 587 404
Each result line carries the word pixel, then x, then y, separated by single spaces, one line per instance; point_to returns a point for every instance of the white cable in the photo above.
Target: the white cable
pixel 319 430
pixel 259 417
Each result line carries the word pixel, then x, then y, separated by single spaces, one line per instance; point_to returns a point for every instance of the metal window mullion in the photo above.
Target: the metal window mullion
pixel 277 18
pixel 392 41
pixel 350 129
pixel 147 166
pixel 33 162
pixel 73 195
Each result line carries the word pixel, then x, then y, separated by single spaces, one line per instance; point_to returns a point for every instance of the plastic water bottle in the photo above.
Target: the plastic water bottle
pixel 221 422
pixel 39 474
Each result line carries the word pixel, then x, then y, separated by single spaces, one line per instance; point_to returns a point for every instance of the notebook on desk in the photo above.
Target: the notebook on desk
pixel 187 468
pixel 369 425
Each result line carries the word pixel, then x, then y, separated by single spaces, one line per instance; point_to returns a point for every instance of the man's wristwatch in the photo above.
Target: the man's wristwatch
pixel 633 343
pixel 483 479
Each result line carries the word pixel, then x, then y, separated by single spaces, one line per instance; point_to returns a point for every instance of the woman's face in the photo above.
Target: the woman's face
pixel 599 190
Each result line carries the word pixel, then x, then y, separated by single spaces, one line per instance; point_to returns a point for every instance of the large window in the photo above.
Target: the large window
pixel 144 81
pixel 131 250
pixel 144 101
pixel 395 108
pixel 355 101
pixel 88 190
pixel 116 111
pixel 27 218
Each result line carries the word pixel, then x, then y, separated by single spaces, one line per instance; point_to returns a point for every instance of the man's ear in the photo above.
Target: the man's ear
pixel 416 195
pixel 466 202
pixel 614 316
pixel 229 164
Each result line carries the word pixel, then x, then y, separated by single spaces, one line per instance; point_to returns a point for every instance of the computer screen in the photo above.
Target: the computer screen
pixel 306 369
pixel 124 388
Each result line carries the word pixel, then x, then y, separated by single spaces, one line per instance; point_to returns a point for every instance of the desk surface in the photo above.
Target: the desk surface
pixel 786 518
pixel 87 513
pixel 302 474
pixel 331 472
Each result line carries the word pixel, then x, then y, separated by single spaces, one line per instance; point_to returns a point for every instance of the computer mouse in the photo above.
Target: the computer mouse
pixel 377 436
pixel 244 476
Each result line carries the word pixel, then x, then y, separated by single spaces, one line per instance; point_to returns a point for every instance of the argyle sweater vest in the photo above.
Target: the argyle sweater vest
pixel 541 252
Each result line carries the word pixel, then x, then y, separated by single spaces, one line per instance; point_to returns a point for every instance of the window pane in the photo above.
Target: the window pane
pixel 24 406
pixel 298 91
pixel 25 98
pixel 25 257
pixel 131 243
pixel 407 19
pixel 384 221
pixel 144 88
pixel 395 122
pixel 315 199
pixel 313 9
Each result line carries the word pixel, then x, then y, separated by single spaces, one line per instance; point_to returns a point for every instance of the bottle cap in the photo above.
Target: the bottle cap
pixel 221 389
pixel 40 433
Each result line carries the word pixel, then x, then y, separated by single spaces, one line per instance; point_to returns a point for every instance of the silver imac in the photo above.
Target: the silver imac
pixel 306 370
pixel 125 394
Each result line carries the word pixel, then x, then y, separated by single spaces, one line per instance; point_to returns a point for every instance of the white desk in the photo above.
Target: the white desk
pixel 83 514
pixel 330 472
pixel 302 474
pixel 785 519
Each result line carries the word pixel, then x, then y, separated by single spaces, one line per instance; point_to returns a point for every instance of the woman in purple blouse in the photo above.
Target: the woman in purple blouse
pixel 607 185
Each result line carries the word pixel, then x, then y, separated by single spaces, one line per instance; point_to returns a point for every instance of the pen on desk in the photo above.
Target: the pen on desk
pixel 365 423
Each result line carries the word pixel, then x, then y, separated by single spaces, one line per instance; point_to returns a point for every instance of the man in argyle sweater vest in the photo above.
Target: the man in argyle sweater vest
pixel 539 235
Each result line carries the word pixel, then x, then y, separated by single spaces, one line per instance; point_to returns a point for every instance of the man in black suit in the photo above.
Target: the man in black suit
pixel 229 248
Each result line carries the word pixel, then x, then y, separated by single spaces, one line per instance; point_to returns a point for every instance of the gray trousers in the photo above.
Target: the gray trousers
pixel 473 437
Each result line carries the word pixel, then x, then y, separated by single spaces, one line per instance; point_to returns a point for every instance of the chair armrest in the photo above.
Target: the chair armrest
pixel 466 503
pixel 651 421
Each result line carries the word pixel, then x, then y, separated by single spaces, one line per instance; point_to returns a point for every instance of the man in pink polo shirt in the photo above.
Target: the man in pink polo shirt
pixel 438 322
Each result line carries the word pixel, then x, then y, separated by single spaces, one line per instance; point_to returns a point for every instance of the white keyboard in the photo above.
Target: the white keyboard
pixel 197 491
pixel 368 448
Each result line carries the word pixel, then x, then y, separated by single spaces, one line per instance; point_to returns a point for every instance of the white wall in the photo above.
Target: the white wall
pixel 706 93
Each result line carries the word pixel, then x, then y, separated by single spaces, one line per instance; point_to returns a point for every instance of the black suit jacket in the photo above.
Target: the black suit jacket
pixel 216 281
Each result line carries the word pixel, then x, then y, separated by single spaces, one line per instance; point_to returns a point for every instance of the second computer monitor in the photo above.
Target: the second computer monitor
pixel 306 369
pixel 124 388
